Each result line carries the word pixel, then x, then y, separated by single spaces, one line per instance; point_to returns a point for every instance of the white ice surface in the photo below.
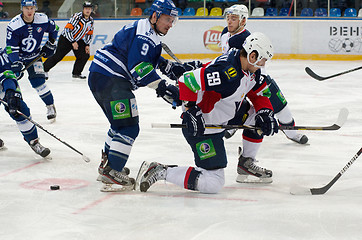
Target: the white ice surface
pixel 29 210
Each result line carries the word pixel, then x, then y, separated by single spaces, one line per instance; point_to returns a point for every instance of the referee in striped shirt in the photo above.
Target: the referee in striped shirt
pixel 76 36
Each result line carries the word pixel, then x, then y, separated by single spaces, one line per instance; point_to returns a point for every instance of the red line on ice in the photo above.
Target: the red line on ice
pixel 20 169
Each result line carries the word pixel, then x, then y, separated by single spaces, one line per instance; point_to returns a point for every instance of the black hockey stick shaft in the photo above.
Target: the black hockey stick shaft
pixel 322 190
pixel 169 52
pixel 320 78
pixel 32 62
pixel 85 158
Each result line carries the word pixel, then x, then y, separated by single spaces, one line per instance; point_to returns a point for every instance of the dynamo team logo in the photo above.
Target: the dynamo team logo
pixel 205 148
pixel 120 107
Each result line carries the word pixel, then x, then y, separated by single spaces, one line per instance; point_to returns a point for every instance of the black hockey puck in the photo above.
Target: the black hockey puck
pixel 54 187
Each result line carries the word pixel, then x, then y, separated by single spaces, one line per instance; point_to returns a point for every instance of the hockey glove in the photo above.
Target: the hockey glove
pixel 48 49
pixel 13 100
pixel 189 66
pixel 169 93
pixel 265 120
pixel 173 70
pixel 17 68
pixel 195 123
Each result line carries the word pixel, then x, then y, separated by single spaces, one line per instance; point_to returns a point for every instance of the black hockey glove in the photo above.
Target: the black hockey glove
pixel 265 120
pixel 169 93
pixel 195 123
pixel 48 49
pixel 13 100
pixel 17 68
pixel 189 66
pixel 173 70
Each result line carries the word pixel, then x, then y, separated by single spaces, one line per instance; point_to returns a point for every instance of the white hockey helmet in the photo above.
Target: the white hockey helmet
pixel 239 10
pixel 259 43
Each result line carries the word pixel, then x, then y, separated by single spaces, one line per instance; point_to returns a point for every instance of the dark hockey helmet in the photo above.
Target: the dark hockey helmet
pixel 87 4
pixel 28 3
pixel 164 7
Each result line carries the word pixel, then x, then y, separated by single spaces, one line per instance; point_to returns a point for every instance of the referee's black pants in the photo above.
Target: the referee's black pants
pixel 63 48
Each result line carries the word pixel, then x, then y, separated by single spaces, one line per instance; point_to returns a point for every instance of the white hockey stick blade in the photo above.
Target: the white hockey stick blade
pixel 85 158
pixel 298 190
pixel 342 117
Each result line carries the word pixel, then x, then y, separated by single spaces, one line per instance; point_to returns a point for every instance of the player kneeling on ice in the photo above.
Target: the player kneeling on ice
pixel 10 96
pixel 210 96
pixel 119 68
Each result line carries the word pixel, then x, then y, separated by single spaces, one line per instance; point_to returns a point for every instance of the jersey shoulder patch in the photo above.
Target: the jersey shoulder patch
pixel 40 18
pixel 16 23
pixel 144 29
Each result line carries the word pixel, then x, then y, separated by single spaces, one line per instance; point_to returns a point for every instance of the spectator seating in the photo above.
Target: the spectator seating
pixel 335 12
pixel 257 12
pixel 215 11
pixel 271 12
pixel 189 12
pixel 146 11
pixel 360 13
pixel 136 11
pixel 321 12
pixel 284 12
pixel 139 1
pixel 307 12
pixel 350 12
pixel 201 11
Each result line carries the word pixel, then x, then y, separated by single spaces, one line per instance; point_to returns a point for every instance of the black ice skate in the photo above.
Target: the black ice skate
pixel 150 173
pixel 249 172
pixel 116 181
pixel 79 76
pixel 38 148
pixel 104 163
pixel 2 144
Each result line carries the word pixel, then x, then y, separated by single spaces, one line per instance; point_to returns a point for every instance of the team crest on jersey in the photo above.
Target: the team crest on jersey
pixel 39 29
pixel 231 73
pixel 29 44
pixel 205 149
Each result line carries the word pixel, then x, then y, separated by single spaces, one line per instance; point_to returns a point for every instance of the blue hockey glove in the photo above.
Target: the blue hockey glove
pixel 17 68
pixel 194 121
pixel 48 49
pixel 265 120
pixel 13 100
pixel 169 93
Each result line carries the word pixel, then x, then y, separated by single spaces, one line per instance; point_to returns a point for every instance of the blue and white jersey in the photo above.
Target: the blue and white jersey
pixel 7 78
pixel 25 39
pixel 133 54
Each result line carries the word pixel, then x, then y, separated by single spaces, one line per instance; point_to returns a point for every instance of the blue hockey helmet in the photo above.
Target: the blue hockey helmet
pixel 164 7
pixel 28 3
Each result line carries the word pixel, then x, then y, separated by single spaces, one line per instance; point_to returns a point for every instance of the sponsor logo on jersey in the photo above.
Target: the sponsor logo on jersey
pixel 212 38
pixel 231 73
pixel 190 82
pixel 205 149
pixel 39 29
pixel 143 69
pixel 120 109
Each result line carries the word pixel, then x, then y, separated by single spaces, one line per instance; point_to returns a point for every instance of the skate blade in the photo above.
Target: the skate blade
pixel 116 188
pixel 99 178
pixel 145 165
pixel 52 120
pixel 252 179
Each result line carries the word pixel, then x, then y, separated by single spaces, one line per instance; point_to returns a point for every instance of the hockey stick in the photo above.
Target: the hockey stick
pixel 297 190
pixel 85 158
pixel 320 78
pixel 32 62
pixel 342 118
pixel 169 52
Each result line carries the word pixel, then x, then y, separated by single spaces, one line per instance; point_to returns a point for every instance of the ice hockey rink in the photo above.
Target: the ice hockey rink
pixel 30 210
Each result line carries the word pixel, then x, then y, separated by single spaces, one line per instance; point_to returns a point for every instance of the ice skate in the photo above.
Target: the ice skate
pixel 148 174
pixel 78 77
pixel 38 148
pixel 51 112
pixel 249 172
pixel 295 136
pixel 116 181
pixel 229 133
pixel 104 163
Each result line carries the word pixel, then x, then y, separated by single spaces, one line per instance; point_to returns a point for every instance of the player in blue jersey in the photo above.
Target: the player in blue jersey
pixel 11 94
pixel 122 66
pixel 232 37
pixel 211 95
pixel 24 37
